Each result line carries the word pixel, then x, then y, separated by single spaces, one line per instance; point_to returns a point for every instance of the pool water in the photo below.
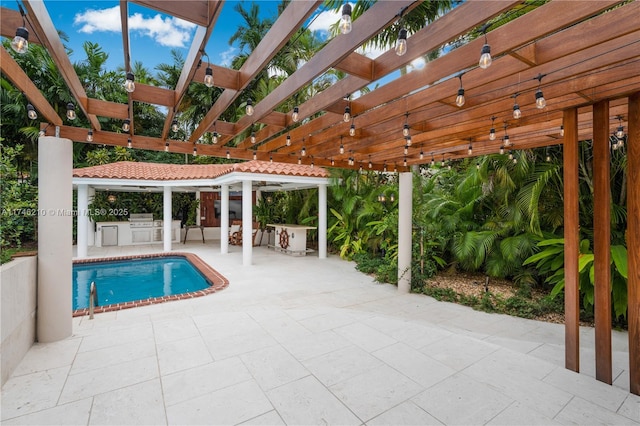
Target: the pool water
pixel 135 279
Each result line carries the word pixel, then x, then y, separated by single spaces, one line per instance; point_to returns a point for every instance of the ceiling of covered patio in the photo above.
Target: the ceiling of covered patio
pixel 575 52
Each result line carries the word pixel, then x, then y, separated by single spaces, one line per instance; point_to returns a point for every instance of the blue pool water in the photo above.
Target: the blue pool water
pixel 136 279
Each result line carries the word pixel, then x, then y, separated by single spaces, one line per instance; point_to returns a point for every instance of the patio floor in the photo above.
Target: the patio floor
pixel 310 341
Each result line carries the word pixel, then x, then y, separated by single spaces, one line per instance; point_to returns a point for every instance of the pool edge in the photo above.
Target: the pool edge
pixel 219 282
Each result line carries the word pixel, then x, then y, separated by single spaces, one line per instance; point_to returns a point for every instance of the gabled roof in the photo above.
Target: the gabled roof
pixel 168 172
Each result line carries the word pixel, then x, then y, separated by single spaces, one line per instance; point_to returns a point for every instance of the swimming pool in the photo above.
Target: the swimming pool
pixel 127 282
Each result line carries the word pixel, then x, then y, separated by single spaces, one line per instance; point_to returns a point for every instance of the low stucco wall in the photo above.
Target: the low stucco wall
pixel 17 311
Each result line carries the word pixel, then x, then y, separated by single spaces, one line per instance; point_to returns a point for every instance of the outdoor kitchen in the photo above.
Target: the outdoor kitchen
pixel 141 228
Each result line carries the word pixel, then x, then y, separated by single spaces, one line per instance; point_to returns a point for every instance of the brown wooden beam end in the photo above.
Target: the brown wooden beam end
pixel 633 241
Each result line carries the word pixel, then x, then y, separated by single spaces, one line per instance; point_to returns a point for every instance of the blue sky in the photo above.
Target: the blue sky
pixel 152 34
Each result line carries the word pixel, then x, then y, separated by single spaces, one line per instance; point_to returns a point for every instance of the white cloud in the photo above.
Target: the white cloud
pixel 168 31
pixel 227 56
pixel 324 20
pixel 371 52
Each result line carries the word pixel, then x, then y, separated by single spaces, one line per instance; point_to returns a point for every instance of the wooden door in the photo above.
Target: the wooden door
pixel 207 209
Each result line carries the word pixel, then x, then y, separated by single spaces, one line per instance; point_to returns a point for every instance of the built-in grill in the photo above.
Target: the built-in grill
pixel 141 220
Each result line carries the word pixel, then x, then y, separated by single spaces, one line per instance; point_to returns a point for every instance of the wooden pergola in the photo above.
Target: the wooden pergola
pixel 583 55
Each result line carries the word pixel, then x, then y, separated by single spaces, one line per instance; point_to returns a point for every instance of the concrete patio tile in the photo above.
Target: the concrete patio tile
pixel 341 364
pixel 299 314
pixel 407 413
pixel 462 400
pixel 46 356
pixel 458 351
pixel 517 414
pixel 630 408
pixel 32 392
pixel 231 405
pixel 274 366
pixel 329 320
pixel 581 412
pixel 174 329
pixel 238 344
pixel 375 391
pixel 182 354
pixel 105 357
pixel 133 405
pixel 415 335
pixel 224 324
pixel 272 418
pixel 192 383
pixel 284 328
pixel 266 313
pixel 114 336
pixel 513 363
pixel 414 364
pixel 364 336
pixel 514 343
pixel 117 376
pixel 307 347
pixel 587 388
pixel 307 401
pixel 74 413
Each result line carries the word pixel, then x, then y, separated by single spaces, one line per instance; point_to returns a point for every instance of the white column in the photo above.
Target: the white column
pixel 83 220
pixel 322 221
pixel 247 223
pixel 405 200
pixel 91 226
pixel 55 250
pixel 224 219
pixel 198 210
pixel 166 218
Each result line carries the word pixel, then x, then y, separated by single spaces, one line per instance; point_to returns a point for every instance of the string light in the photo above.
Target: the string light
pixel 433 160
pixel 299 160
pixel 384 167
pixel 406 130
pixel 71 111
pixel 341 146
pixel 130 144
pixel 126 125
pixel 540 100
pixel 249 110
pixel 228 155
pixel 408 140
pixel 208 73
pixel 195 150
pixel 562 130
pixel 404 163
pixel 460 98
pixel 370 163
pixel 401 44
pixel 470 149
pixel 255 155
pixel 501 149
pixel 253 135
pixel 492 132
pixel 295 116
pixel 406 149
pixel 288 139
pixel 20 43
pixel 90 136
pixel 443 163
pixel 345 21
pixel 31 112
pixel 421 154
pixel 166 146
pixel 271 158
pixel 506 139
pixel 347 114
pixel 174 125
pixel 516 108
pixel 129 83
pixel 333 163
pixel 485 53
pixel 352 128
pixel 547 156
pixel 620 129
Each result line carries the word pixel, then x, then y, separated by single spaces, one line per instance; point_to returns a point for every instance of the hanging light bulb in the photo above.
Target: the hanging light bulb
pixel 299 160
pixel 384 167
pixel 515 160
pixel 255 155
pixel 421 154
pixel 510 155
pixel 492 132
pixel 41 133
pixel 333 163
pixel 20 42
pixel 501 149
pixel 288 140
pixel 507 141
pixel 71 111
pixel 341 146
pixel 352 129
pixel 249 108
pixel 370 163
pixel 295 116
pixel 271 158
pixel 228 155
pixel 478 166
pixel 460 98
pixel 516 108
pixel 312 163
pixel 90 136
pixel 540 100
pixel 347 114
pixel 129 144
pixel 303 151
pixel 408 140
pixel 129 83
pixel 253 137
pixel 401 44
pixel 31 112
pixel 174 125
pixel 406 130
pixel 404 163
pixel 208 77
pixel 470 149
pixel 406 149
pixel 166 147
pixel 562 130
pixel 620 129
pixel 126 125
pixel 360 168
pixel 215 137
pixel 345 21
pixel 442 163
pixel 485 53
pixel 433 160
pixel 547 156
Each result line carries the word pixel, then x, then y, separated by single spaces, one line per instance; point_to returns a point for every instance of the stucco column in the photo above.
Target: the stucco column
pixel 83 220
pixel 198 209
pixel 224 219
pixel 405 201
pixel 322 221
pixel 91 226
pixel 166 217
pixel 55 227
pixel 247 223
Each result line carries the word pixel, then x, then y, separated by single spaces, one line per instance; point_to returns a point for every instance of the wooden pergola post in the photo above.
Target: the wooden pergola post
pixel 571 241
pixel 602 240
pixel 633 241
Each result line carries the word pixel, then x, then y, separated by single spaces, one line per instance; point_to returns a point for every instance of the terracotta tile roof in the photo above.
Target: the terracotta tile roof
pixel 158 171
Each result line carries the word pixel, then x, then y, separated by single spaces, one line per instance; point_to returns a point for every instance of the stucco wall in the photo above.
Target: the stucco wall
pixel 17 311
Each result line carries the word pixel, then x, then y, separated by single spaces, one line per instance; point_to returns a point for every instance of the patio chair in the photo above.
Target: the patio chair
pixel 235 233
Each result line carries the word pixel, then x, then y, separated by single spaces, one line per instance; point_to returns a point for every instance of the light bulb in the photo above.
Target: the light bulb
pixel 515 160
pixel 384 168
pixel 485 57
pixel 460 98
pixel 433 162
pixel 303 152
pixel 408 140
pixel 510 155
pixel 548 158
pixel 253 137
pixel 129 144
pixel 126 125
pixel 492 134
pixel 507 141
pixel 90 136
pixel 345 21
pixel 406 149
pixel 421 155
pixel 166 147
pixel 470 150
pixel 478 166
pixel 174 125
pixel 311 165
pixel 352 130
pixel 333 163
pixel 255 156
pixel 540 100
pixel 288 140
pixel 620 132
pixel 208 77
pixel 404 163
pixel 295 116
pixel 370 164
pixel 215 137
pixel 562 130
pixel 405 130
pixel 31 112
pixel 516 111
pixel 71 111
pixel 347 114
pixel 401 44
pixel 129 84
pixel 249 108
pixel 20 42
pixel 341 149
pixel 501 149
pixel 299 160
pixel 271 158
pixel 228 155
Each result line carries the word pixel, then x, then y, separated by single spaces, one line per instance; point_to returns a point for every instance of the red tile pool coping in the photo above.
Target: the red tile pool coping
pixel 213 276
